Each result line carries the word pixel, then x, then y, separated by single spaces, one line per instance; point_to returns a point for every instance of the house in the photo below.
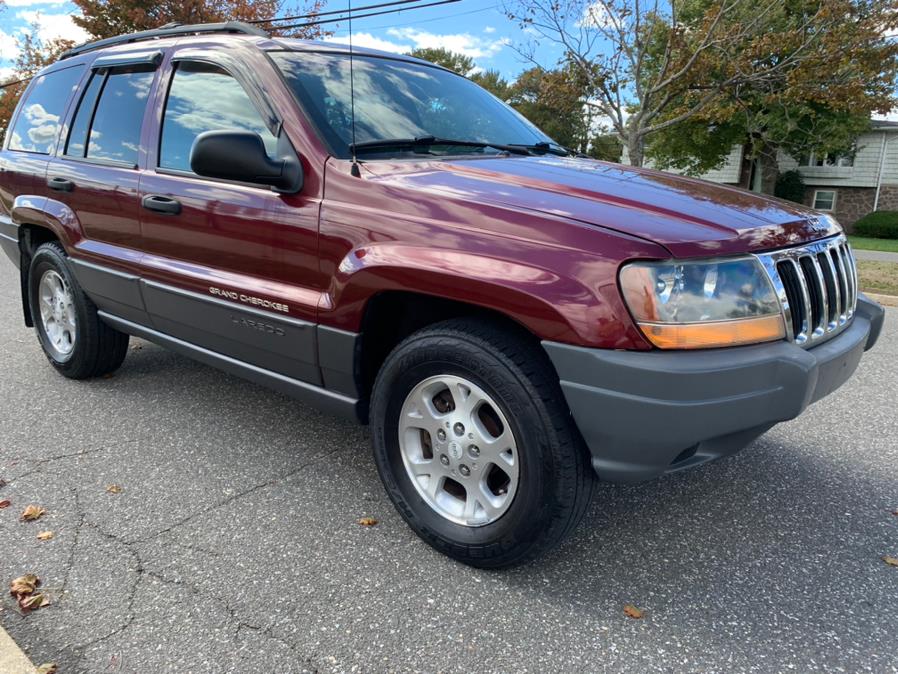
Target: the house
pixel 849 187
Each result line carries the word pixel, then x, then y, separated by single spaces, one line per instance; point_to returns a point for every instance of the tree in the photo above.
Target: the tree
pixel 108 18
pixel 33 56
pixel 820 105
pixel 554 101
pixel 655 64
pixel 459 63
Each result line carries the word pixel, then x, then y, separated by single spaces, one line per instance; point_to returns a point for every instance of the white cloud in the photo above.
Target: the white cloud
pixel 595 15
pixel 369 41
pixel 31 3
pixel 463 43
pixel 50 26
pixel 8 47
pixel 489 29
pixel 6 74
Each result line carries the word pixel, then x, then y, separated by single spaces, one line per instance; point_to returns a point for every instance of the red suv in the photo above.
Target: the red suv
pixel 512 320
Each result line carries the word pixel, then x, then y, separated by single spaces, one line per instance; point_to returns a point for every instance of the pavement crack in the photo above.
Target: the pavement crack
pixel 40 464
pixel 234 497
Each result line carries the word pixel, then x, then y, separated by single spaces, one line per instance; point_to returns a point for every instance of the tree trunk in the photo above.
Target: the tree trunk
pixel 635 149
pixel 769 169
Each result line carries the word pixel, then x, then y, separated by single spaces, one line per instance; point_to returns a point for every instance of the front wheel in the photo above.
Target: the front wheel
pixel 475 446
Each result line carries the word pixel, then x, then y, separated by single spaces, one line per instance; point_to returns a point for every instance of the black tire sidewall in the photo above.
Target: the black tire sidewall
pixel 530 510
pixel 50 257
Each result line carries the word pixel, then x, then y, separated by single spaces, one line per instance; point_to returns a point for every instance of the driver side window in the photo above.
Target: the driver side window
pixel 203 97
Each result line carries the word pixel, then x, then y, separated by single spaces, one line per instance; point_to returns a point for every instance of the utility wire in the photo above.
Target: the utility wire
pixel 309 24
pixel 332 12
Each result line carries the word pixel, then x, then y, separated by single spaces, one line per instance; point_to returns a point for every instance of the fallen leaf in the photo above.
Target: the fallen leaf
pixel 45 535
pixel 24 585
pixel 33 602
pixel 3 482
pixel 368 521
pixel 114 488
pixel 894 512
pixel 108 375
pixel 47 668
pixel 136 347
pixel 891 561
pixel 632 612
pixel 5 503
pixel 32 512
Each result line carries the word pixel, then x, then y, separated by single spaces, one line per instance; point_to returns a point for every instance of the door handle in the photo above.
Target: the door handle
pixel 60 184
pixel 161 204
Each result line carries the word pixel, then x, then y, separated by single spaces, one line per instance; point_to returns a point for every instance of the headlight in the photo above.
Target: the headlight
pixel 702 304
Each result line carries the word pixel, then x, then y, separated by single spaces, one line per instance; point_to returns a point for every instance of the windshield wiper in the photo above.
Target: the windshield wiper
pixel 551 148
pixel 427 141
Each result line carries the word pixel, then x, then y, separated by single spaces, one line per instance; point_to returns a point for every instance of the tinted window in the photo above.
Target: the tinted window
pixel 41 113
pixel 115 132
pixel 205 98
pixel 398 99
pixel 80 126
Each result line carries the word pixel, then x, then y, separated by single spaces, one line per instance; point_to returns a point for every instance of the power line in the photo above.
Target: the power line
pixel 309 24
pixel 431 20
pixel 332 12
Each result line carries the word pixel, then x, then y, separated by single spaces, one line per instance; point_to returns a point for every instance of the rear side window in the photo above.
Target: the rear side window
pixel 107 124
pixel 40 115
pixel 202 98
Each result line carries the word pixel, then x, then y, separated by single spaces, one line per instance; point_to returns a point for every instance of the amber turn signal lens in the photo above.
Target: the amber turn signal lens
pixel 710 335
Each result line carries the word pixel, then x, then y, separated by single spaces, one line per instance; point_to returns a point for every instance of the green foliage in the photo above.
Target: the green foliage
pixel 493 82
pixel 606 147
pixel 878 225
pixel 693 146
pixel 459 63
pixel 790 186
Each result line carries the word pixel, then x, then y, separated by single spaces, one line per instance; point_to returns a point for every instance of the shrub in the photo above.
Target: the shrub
pixel 790 186
pixel 879 225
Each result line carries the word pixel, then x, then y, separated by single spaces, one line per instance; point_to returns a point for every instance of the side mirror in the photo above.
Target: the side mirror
pixel 241 156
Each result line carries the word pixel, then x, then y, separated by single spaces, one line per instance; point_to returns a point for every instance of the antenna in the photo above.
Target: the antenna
pixel 355 163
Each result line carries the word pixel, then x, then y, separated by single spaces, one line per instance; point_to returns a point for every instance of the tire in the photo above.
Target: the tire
pixel 545 479
pixel 88 347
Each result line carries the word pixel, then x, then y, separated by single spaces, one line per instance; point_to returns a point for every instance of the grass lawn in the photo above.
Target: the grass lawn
pixel 878 277
pixel 866 243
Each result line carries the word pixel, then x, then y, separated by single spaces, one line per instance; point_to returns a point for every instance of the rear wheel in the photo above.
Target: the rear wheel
pixel 475 445
pixel 74 339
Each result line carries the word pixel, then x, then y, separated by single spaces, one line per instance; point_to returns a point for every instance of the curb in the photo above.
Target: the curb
pixel 12 659
pixel 886 300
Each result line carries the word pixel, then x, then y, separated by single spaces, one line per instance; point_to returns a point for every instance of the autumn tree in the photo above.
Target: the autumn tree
pixel 656 64
pixel 821 104
pixel 454 61
pixel 34 54
pixel 108 18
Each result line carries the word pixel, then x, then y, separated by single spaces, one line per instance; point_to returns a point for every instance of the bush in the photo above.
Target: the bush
pixel 790 186
pixel 879 225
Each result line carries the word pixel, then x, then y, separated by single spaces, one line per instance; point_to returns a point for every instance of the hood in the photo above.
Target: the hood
pixel 689 217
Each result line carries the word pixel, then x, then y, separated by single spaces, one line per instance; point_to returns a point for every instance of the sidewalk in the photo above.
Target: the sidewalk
pixel 875 255
pixel 12 659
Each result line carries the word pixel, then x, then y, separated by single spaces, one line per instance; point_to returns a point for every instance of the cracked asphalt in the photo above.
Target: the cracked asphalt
pixel 234 546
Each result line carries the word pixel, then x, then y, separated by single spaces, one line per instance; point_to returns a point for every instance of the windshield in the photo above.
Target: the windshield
pixel 400 100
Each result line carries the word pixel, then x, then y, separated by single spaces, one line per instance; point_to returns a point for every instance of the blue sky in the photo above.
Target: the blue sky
pixel 478 28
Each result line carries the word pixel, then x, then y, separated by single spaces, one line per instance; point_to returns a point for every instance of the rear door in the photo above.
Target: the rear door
pixel 96 174
pixel 230 267
pixel 30 142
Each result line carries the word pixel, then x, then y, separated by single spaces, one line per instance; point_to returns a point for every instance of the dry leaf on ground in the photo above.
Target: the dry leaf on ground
pixel 367 521
pixel 3 482
pixel 114 488
pixel 33 602
pixel 24 585
pixel 632 612
pixel 47 668
pixel 32 512
pixel 5 503
pixel 45 535
pixel 891 561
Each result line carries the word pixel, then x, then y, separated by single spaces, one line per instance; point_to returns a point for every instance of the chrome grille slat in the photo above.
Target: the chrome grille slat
pixel 816 284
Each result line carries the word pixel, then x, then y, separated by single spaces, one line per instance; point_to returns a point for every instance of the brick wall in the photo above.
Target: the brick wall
pixel 853 203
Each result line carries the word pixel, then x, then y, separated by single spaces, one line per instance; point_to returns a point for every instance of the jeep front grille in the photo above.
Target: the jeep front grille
pixel 817 288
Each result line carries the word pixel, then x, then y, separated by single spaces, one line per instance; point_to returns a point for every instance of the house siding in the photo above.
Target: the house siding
pixel 865 171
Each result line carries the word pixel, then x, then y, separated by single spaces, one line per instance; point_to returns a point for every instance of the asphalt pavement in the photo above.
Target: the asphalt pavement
pixel 234 546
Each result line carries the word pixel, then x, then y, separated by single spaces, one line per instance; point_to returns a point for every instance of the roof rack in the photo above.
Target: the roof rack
pixel 168 30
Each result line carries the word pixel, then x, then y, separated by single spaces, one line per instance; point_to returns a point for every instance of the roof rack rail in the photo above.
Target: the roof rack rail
pixel 168 30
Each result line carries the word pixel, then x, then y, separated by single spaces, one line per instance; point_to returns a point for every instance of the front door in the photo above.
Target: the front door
pixel 230 267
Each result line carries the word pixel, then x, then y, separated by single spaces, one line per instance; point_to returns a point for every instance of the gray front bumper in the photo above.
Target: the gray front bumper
pixel 647 413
